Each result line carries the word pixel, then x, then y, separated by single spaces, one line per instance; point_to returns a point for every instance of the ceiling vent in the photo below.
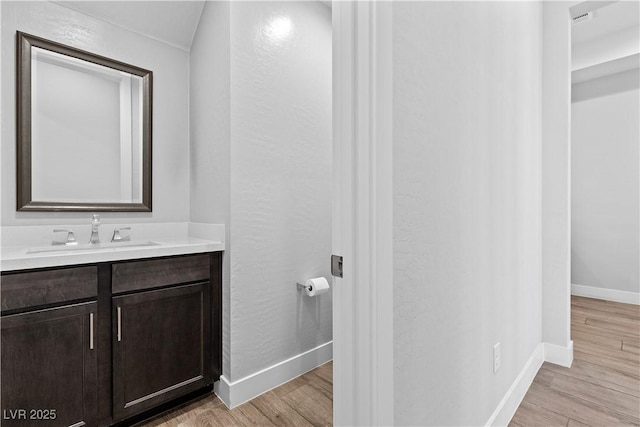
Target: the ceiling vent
pixel 583 17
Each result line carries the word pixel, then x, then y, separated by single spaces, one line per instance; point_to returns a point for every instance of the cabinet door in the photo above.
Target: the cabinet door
pixel 161 346
pixel 49 367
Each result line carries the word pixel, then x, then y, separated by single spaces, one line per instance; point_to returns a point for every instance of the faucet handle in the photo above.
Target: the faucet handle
pixel 71 238
pixel 117 237
pixel 96 219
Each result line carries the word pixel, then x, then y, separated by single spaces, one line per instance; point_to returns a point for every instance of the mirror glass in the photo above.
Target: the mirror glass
pixel 84 132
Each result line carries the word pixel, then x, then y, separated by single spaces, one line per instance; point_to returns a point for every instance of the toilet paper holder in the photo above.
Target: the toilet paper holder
pixel 303 286
pixel 315 286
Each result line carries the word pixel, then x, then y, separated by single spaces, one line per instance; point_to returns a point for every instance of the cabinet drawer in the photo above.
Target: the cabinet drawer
pixel 36 288
pixel 137 275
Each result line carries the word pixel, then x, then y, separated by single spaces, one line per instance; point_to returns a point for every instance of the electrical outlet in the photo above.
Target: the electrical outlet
pixel 496 357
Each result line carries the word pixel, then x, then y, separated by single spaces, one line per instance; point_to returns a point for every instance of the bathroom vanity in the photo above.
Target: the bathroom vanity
pixel 98 333
pixel 112 341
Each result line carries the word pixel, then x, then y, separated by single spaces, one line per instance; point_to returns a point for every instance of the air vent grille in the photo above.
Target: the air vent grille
pixel 583 17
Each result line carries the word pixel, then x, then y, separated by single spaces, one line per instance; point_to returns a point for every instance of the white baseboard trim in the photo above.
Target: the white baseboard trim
pixel 512 399
pixel 240 391
pixel 606 294
pixel 558 355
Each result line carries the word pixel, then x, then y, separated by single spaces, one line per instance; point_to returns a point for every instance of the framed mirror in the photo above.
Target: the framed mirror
pixel 83 130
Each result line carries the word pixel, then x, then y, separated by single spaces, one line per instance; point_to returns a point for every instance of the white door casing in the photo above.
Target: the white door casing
pixel 362 213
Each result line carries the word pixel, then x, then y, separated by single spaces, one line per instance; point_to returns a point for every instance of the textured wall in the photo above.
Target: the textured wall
pixel 170 107
pixel 263 167
pixel 605 191
pixel 467 205
pixel 280 180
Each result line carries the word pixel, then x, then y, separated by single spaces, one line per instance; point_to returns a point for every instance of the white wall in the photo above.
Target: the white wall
pixel 170 106
pixel 607 48
pixel 273 164
pixel 209 107
pixel 556 149
pixel 467 205
pixel 605 83
pixel 605 188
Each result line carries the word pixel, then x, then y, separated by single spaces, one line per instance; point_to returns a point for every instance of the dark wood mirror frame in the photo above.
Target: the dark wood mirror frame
pixel 23 94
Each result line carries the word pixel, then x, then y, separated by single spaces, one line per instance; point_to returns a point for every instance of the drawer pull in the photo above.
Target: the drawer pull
pixel 91 331
pixel 119 324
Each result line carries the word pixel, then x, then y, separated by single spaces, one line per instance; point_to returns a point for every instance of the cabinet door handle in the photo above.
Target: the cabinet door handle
pixel 119 324
pixel 91 331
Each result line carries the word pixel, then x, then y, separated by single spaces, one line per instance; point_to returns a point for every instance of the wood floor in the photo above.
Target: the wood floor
pixel 304 401
pixel 602 387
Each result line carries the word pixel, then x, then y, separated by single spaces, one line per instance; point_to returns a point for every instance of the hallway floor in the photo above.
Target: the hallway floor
pixel 304 401
pixel 602 387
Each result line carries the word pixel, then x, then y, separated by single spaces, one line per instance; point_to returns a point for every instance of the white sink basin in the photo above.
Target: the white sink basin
pixel 88 247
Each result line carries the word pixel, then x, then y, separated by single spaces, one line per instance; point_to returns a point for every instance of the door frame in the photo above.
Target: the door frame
pixel 362 213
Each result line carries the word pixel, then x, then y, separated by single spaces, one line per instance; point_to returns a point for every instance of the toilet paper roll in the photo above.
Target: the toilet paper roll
pixel 316 286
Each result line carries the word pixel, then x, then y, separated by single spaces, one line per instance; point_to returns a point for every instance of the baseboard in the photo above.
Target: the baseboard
pixel 512 399
pixel 238 392
pixel 558 355
pixel 222 389
pixel 606 294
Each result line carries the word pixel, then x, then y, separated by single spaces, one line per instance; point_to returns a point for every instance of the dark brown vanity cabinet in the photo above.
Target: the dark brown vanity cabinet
pixel 49 353
pixel 49 371
pixel 161 346
pixel 99 344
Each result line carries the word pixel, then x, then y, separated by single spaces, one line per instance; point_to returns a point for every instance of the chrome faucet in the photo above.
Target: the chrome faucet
pixel 95 223
pixel 69 241
pixel 117 237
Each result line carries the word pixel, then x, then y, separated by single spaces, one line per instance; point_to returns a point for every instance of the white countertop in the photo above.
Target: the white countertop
pixel 16 257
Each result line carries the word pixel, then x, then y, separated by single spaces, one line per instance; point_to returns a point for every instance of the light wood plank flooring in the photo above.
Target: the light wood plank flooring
pixel 304 401
pixel 602 387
